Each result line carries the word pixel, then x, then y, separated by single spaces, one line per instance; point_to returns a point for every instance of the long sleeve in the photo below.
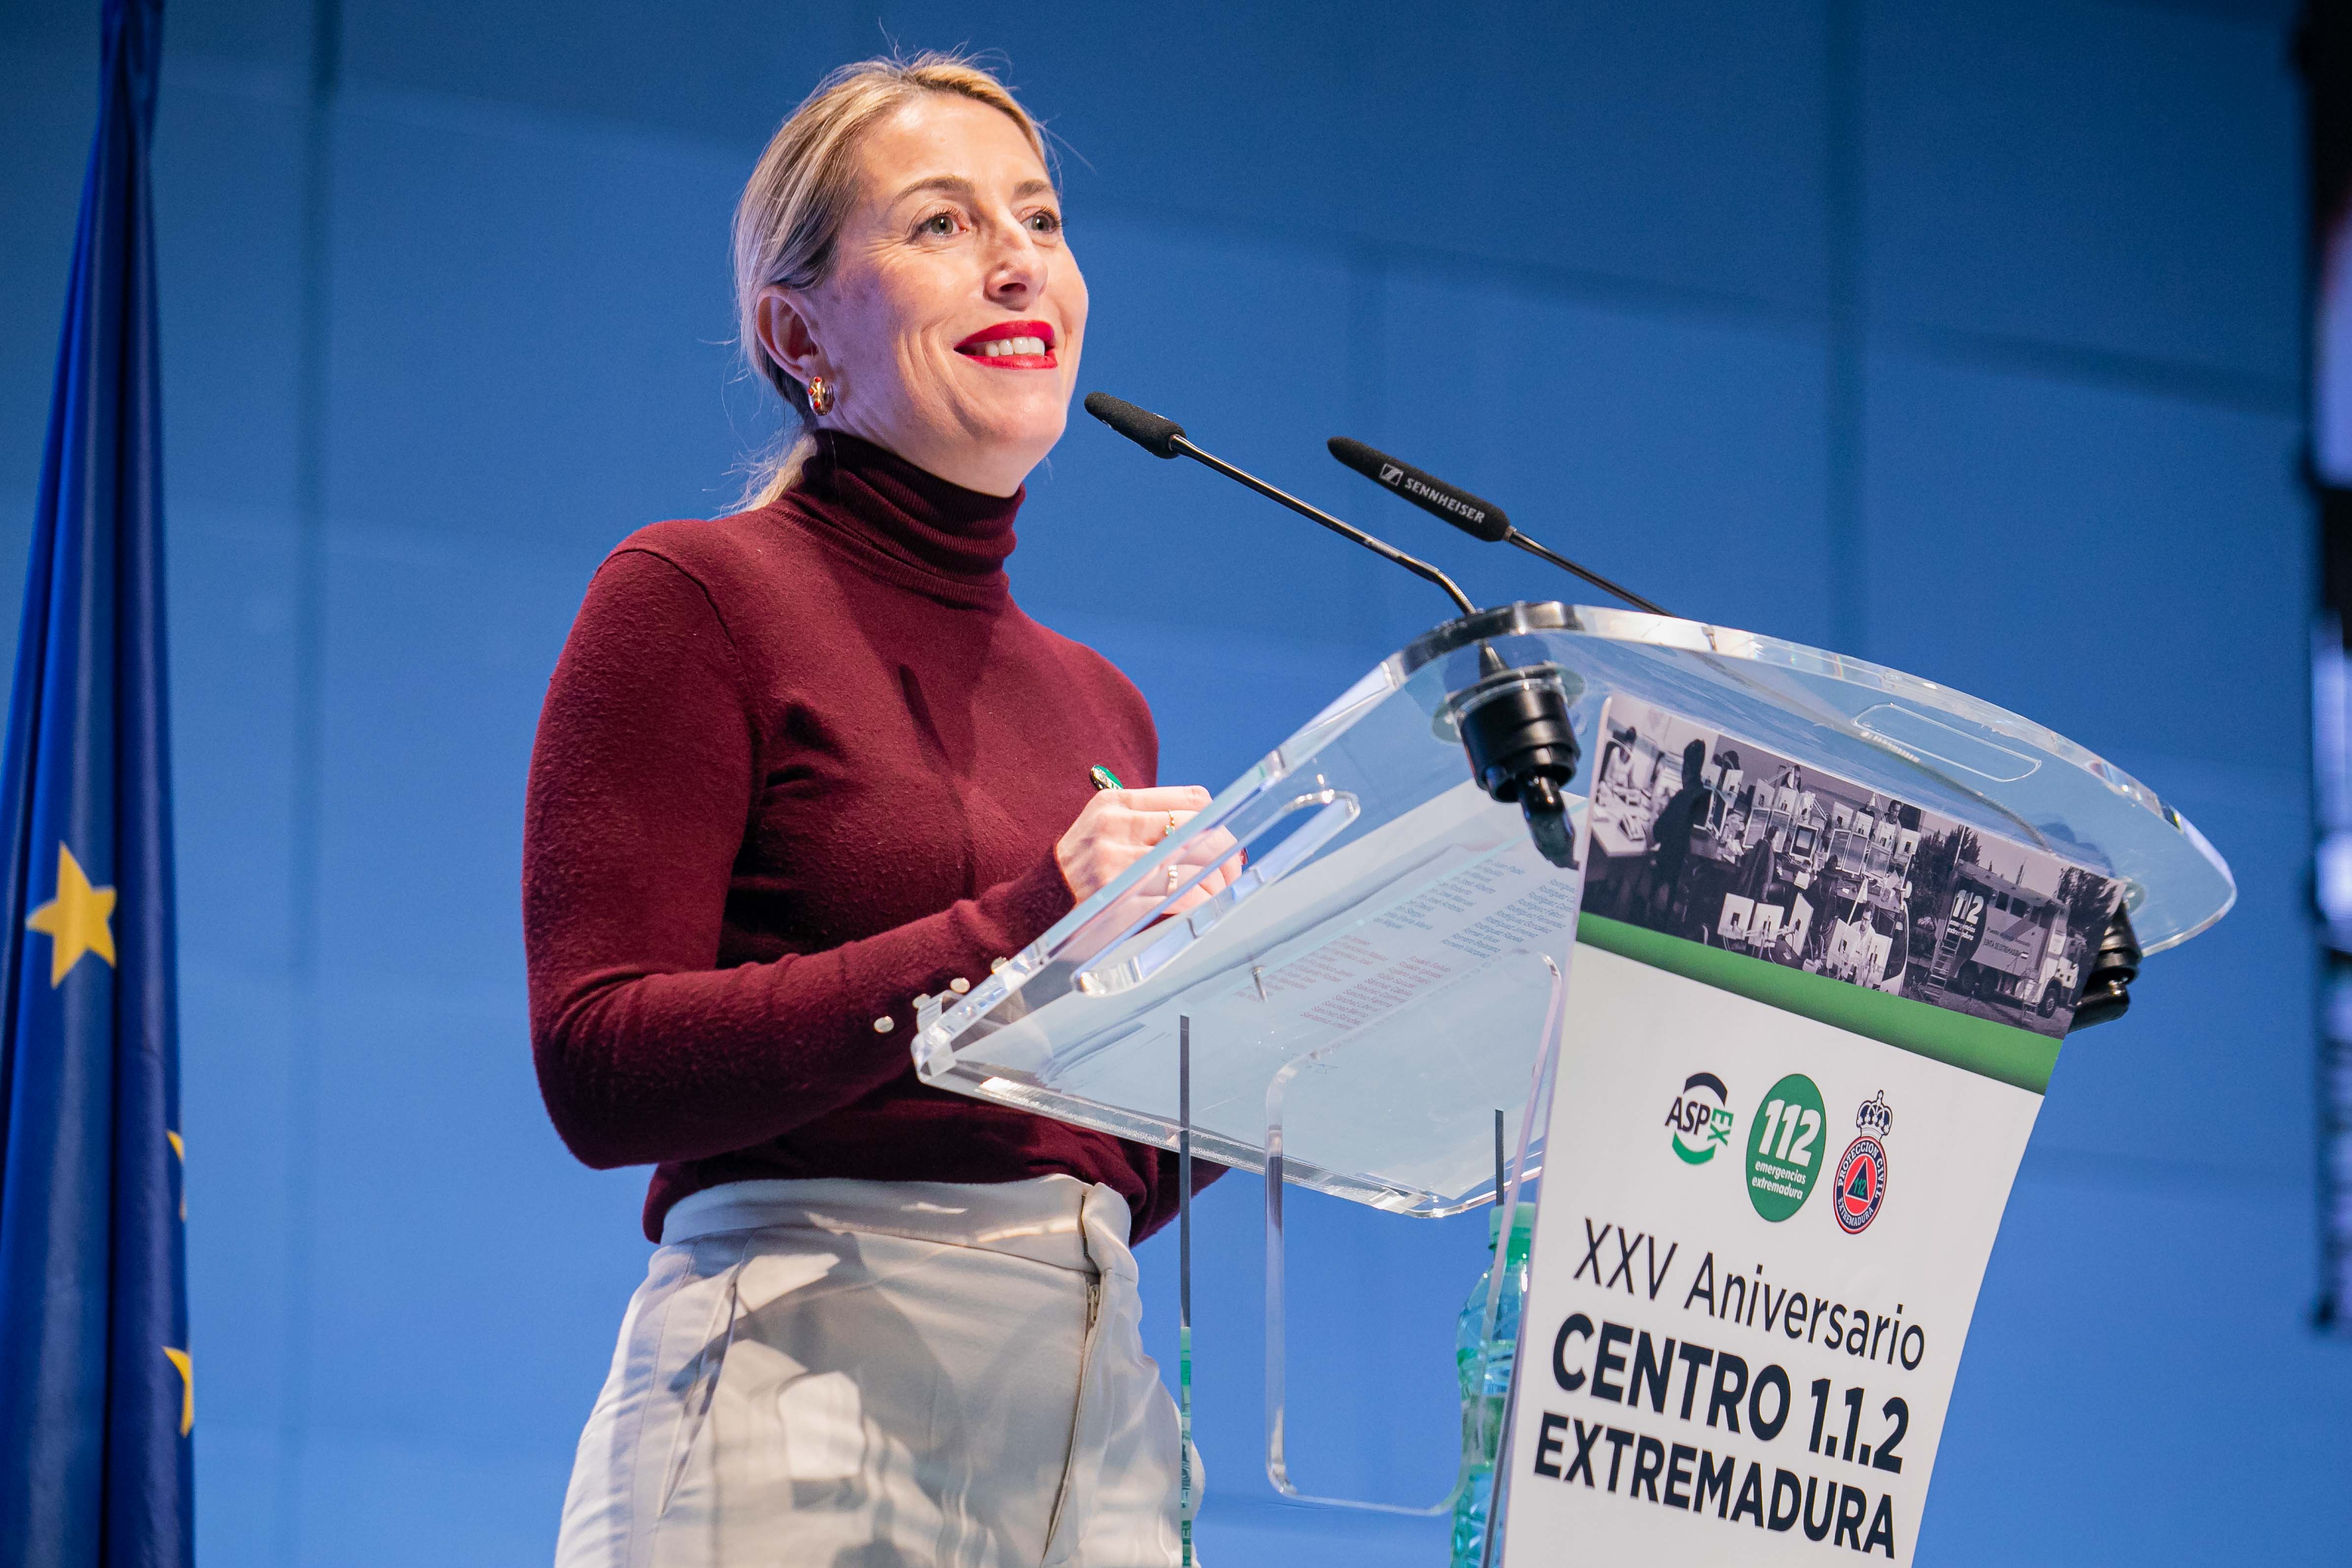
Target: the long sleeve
pixel 1165 1192
pixel 643 783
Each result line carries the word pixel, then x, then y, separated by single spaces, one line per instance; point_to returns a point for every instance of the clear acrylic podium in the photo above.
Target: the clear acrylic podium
pixel 1388 971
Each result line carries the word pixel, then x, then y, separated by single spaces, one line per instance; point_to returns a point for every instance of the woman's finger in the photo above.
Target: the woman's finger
pixel 1149 829
pixel 1186 798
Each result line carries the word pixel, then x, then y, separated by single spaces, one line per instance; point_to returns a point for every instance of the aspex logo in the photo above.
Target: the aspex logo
pixel 1701 1121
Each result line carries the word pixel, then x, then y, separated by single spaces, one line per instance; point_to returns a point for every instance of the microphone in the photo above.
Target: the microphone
pixel 1514 722
pixel 1163 437
pixel 1155 433
pixel 1478 519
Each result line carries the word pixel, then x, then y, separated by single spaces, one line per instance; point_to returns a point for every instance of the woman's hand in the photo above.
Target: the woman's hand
pixel 1120 827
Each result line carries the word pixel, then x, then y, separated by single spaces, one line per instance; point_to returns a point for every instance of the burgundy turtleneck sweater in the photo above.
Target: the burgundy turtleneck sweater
pixel 796 767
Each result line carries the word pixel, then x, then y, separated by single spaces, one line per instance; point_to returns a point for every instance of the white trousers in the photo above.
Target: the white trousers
pixel 882 1375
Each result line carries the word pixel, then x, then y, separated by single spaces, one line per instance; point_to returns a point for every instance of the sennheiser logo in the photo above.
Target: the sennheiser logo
pixel 1390 473
pixel 1441 499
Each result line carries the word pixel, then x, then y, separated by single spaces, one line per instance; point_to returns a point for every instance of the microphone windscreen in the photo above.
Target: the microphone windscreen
pixel 1147 430
pixel 1481 519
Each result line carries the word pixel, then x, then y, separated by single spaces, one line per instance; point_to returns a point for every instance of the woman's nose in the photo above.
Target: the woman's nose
pixel 1017 270
pixel 1014 281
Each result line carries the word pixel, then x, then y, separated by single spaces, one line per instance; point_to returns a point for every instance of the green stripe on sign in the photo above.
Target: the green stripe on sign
pixel 2012 1056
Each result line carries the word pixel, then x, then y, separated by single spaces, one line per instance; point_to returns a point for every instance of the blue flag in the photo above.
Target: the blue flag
pixel 95 1401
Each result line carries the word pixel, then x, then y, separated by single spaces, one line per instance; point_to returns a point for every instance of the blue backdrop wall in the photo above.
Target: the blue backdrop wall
pixel 1960 335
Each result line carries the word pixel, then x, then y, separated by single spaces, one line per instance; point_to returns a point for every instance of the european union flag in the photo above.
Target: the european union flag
pixel 95 1394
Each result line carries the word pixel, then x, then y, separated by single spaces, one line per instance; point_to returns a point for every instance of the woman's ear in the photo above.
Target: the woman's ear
pixel 782 319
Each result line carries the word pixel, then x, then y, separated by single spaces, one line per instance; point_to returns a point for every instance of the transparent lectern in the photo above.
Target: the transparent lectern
pixel 1391 969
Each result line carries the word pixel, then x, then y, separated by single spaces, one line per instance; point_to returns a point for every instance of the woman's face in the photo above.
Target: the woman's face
pixel 950 326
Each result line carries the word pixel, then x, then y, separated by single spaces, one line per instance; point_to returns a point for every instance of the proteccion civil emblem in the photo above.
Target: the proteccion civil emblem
pixel 1861 1169
pixel 1861 1184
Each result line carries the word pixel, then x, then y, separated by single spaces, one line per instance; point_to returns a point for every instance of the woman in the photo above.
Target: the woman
pixel 797 769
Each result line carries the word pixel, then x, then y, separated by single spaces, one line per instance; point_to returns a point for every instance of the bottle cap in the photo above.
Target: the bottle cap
pixel 1523 1223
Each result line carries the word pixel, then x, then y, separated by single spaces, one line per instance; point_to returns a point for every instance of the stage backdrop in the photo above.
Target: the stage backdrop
pixel 1960 335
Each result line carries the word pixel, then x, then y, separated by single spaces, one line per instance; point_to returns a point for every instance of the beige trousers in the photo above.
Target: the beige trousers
pixel 879 1374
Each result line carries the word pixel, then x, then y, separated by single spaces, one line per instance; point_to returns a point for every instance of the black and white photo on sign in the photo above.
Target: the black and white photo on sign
pixel 1713 838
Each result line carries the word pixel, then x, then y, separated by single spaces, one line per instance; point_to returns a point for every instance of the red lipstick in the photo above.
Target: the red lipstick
pixel 1038 352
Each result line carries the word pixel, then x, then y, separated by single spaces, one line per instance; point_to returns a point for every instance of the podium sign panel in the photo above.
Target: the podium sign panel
pixel 1809 1028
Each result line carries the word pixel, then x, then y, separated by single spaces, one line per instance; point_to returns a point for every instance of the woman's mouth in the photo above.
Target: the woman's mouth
pixel 1012 345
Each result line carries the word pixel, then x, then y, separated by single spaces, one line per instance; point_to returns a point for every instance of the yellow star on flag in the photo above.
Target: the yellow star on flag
pixel 75 921
pixel 187 1368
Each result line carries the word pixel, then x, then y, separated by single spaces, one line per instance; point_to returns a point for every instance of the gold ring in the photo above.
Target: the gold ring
pixel 1172 826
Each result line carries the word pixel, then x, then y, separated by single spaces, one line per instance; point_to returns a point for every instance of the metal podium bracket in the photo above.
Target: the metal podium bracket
pixel 1277 1465
pixel 1185 1501
pixel 1539 1115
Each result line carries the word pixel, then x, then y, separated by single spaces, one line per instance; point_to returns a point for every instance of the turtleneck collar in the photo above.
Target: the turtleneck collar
pixel 906 524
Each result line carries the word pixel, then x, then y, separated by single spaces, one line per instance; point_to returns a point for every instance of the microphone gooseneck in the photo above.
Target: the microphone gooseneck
pixel 1163 437
pixel 1514 722
pixel 1481 520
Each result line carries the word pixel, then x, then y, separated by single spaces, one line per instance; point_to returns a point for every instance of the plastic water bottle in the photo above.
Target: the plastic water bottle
pixel 1484 1397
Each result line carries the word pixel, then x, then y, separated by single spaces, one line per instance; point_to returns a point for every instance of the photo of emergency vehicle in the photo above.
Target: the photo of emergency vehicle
pixel 1994 938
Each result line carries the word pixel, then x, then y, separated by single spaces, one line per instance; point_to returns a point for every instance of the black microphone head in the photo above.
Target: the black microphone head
pixel 1480 519
pixel 1147 430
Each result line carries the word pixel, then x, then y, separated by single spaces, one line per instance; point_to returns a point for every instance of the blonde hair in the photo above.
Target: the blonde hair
pixel 790 218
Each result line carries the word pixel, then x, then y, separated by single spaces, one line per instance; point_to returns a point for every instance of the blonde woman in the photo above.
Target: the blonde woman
pixel 798 767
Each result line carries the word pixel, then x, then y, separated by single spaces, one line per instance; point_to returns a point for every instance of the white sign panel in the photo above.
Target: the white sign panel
pixel 1778 1157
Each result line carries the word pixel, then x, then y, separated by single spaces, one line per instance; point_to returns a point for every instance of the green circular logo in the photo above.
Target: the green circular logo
pixel 1784 1147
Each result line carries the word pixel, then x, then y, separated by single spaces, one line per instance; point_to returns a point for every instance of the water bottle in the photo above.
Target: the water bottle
pixel 1485 1396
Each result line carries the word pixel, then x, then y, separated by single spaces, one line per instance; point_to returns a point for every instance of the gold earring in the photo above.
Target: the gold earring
pixel 821 395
